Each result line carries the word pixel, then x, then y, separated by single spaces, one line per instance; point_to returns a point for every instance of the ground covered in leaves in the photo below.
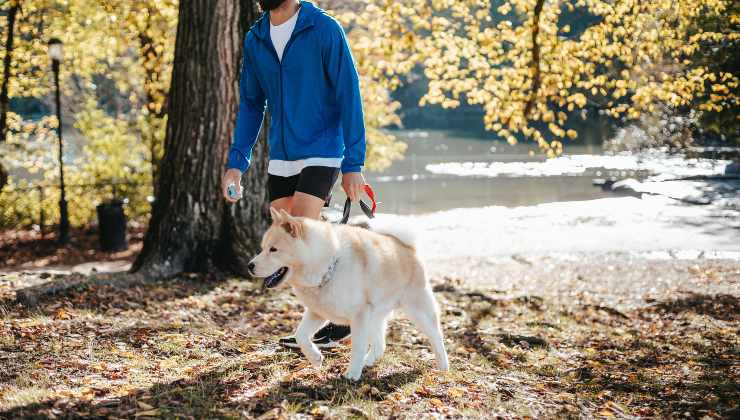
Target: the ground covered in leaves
pixel 30 249
pixel 198 347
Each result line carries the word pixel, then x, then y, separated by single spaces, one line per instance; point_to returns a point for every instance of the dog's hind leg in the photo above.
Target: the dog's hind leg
pixel 377 341
pixel 360 326
pixel 421 308
pixel 304 337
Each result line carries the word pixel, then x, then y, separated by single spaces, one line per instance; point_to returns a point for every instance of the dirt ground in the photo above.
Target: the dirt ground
pixel 597 335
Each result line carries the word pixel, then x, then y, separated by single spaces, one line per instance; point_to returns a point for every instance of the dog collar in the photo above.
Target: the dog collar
pixel 329 273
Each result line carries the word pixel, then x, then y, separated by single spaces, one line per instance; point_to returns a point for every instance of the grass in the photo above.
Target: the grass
pixel 199 348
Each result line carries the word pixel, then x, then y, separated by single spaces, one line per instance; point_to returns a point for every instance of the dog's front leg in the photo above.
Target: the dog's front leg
pixel 304 337
pixel 359 327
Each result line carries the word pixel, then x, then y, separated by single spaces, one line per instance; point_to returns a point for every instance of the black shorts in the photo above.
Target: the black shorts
pixel 314 180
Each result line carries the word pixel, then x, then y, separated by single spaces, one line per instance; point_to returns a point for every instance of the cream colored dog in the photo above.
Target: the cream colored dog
pixel 350 276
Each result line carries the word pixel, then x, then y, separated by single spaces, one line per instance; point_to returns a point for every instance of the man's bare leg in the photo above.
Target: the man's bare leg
pixel 306 205
pixel 285 203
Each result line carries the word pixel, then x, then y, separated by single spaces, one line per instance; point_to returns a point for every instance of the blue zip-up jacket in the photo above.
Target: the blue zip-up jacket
pixel 313 95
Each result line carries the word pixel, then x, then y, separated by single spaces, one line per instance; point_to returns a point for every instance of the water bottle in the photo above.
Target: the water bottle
pixel 233 193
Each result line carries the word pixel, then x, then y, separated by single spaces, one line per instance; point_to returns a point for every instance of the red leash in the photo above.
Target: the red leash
pixel 371 193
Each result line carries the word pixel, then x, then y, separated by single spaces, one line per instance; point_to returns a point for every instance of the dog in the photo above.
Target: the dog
pixel 350 276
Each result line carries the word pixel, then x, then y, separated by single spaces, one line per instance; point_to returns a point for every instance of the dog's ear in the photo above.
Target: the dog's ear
pixel 276 216
pixel 293 226
pixel 284 215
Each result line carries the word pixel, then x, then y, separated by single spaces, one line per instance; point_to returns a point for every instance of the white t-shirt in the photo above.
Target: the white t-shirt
pixel 280 35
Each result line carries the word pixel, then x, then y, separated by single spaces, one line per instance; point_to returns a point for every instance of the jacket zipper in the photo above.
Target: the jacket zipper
pixel 282 96
pixel 282 109
pixel 271 47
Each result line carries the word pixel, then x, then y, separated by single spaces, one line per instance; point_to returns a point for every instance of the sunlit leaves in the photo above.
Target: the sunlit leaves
pixel 634 56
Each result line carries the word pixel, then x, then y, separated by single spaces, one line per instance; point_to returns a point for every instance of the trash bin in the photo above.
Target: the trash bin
pixel 112 226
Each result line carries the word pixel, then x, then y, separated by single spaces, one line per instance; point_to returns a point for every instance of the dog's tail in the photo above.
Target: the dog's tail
pixel 393 226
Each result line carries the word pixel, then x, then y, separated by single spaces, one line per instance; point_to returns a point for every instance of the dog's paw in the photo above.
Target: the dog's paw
pixel 371 359
pixel 316 359
pixel 353 374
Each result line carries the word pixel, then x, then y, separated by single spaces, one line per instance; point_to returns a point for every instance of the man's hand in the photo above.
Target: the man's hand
pixel 353 184
pixel 232 176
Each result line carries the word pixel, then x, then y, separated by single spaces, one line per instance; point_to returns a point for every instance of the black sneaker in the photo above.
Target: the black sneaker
pixel 327 337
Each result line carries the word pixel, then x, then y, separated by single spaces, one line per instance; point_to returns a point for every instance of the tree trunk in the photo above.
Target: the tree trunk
pixel 192 228
pixel 4 96
pixel 4 100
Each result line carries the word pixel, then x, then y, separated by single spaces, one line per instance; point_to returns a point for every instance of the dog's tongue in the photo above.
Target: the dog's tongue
pixel 274 278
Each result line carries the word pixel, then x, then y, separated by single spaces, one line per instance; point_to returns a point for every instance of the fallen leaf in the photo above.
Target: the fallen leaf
pixel 436 402
pixel 144 406
pixel 147 413
pixel 61 314
pixel 456 392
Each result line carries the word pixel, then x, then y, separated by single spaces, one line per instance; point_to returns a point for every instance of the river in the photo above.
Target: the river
pixel 444 170
pixel 470 196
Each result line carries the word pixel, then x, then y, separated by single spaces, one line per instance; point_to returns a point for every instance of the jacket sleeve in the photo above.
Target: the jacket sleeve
pixel 343 76
pixel 249 118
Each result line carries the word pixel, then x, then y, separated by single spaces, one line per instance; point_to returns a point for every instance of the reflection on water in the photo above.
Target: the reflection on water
pixel 442 193
pixel 628 164
pixel 408 187
pixel 442 171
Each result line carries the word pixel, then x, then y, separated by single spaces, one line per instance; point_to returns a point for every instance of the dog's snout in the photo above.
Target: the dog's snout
pixel 250 267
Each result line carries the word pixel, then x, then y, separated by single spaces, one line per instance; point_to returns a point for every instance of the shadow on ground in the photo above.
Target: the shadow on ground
pixel 722 307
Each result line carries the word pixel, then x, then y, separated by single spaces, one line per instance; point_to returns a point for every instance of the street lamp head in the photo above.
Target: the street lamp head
pixel 56 49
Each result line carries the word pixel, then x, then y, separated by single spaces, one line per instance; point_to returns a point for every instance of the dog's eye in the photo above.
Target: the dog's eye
pixel 273 249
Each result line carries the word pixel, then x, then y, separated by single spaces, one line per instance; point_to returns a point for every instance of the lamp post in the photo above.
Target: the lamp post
pixel 56 53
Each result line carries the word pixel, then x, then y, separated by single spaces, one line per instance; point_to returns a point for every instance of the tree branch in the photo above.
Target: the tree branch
pixel 536 82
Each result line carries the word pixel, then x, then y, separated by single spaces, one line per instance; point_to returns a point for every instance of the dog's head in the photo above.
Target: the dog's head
pixel 290 247
pixel 282 246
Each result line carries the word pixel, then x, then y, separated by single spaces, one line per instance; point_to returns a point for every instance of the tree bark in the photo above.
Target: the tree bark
pixel 4 100
pixel 192 228
pixel 4 96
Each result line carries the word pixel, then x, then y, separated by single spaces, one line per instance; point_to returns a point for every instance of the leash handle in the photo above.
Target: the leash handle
pixel 369 211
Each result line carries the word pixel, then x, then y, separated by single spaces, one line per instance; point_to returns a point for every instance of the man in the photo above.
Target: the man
pixel 297 59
